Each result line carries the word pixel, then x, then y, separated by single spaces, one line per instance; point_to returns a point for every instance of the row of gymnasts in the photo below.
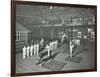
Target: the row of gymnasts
pixel 30 49
pixel 34 49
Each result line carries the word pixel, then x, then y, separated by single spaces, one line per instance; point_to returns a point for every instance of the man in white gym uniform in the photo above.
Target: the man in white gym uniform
pixel 41 42
pixel 28 50
pixel 63 37
pixel 71 48
pixel 37 48
pixel 31 49
pixel 24 52
pixel 48 49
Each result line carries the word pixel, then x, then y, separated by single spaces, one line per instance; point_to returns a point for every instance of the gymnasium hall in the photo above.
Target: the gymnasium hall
pixel 54 38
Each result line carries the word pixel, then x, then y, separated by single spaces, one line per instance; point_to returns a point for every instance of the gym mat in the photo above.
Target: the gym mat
pixel 74 59
pixel 54 65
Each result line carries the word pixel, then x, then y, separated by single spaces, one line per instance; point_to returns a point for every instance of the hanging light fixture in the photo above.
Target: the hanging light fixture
pixel 51 7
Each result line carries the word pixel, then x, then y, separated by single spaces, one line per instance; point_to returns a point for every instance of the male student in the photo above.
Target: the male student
pixel 37 48
pixel 24 52
pixel 28 50
pixel 50 44
pixel 48 49
pixel 31 49
pixel 71 48
pixel 41 42
pixel 63 37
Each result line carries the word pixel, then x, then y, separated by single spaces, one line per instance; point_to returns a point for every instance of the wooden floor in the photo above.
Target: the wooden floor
pixel 29 64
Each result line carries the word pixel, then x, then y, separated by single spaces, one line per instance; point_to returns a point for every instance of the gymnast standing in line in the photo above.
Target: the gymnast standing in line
pixel 24 52
pixel 71 48
pixel 28 50
pixel 31 49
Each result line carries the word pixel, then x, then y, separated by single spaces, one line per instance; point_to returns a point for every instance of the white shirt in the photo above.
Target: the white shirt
pixel 48 49
pixel 24 49
pixel 28 48
pixel 41 42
